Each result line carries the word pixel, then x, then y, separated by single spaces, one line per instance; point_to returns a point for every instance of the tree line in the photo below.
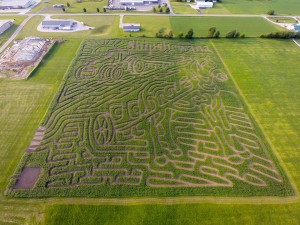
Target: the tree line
pixel 212 33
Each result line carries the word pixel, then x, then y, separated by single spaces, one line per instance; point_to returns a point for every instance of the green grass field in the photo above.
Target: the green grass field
pixel 183 8
pixel 287 7
pixel 252 27
pixel 11 30
pixel 75 7
pixel 22 106
pixel 191 214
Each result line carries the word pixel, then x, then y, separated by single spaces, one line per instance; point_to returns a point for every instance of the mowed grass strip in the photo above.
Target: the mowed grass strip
pixel 24 103
pixel 173 214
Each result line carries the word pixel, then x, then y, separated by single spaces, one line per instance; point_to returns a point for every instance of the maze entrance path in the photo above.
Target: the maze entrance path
pixel 151 118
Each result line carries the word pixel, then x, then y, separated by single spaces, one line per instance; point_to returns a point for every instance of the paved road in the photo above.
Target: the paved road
pixel 15 34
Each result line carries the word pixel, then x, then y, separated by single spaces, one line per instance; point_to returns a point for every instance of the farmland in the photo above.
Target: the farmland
pixel 98 138
pixel 269 91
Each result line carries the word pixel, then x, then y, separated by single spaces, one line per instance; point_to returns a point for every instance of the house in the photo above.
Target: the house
pixel 16 4
pixel 131 27
pixel 58 24
pixel 204 5
pixel 4 25
pixel 297 27
pixel 138 2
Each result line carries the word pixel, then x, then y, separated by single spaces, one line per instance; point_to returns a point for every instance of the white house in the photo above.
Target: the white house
pixel 131 27
pixel 5 25
pixel 204 5
pixel 138 2
pixel 16 4
pixel 58 24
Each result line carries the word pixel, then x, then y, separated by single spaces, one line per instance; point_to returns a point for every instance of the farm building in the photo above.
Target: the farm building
pixel 131 27
pixel 58 24
pixel 297 27
pixel 4 25
pixel 138 2
pixel 204 5
pixel 16 4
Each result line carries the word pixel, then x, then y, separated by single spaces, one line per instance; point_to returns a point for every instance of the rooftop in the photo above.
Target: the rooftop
pixel 14 2
pixel 3 22
pixel 57 23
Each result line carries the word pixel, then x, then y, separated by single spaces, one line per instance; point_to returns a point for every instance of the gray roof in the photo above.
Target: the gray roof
pixel 57 23
pixel 131 27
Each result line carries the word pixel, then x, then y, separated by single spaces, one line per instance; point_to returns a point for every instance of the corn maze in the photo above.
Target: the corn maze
pixel 148 118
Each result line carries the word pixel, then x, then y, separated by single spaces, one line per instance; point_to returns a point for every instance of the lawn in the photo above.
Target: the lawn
pixel 281 7
pixel 6 35
pixel 282 19
pixel 183 8
pixel 22 106
pixel 150 25
pixel 252 27
pixel 104 27
pixel 75 7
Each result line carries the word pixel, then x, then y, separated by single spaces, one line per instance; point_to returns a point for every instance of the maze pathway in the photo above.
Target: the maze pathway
pixel 142 118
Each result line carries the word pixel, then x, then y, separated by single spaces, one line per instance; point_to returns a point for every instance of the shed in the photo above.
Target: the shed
pixel 204 5
pixel 58 24
pixel 5 25
pixel 131 27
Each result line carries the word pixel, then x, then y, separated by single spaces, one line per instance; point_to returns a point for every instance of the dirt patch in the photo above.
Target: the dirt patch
pixel 28 178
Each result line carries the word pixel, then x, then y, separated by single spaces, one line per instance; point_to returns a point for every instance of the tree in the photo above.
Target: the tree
pixel 211 32
pixel 243 35
pixel 98 10
pixel 160 10
pixel 104 9
pixel 271 12
pixel 159 6
pixel 84 9
pixel 167 10
pixel 170 35
pixel 231 34
pixel 63 9
pixel 217 34
pixel 180 35
pixel 154 9
pixel 68 4
pixel 189 34
pixel 237 35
